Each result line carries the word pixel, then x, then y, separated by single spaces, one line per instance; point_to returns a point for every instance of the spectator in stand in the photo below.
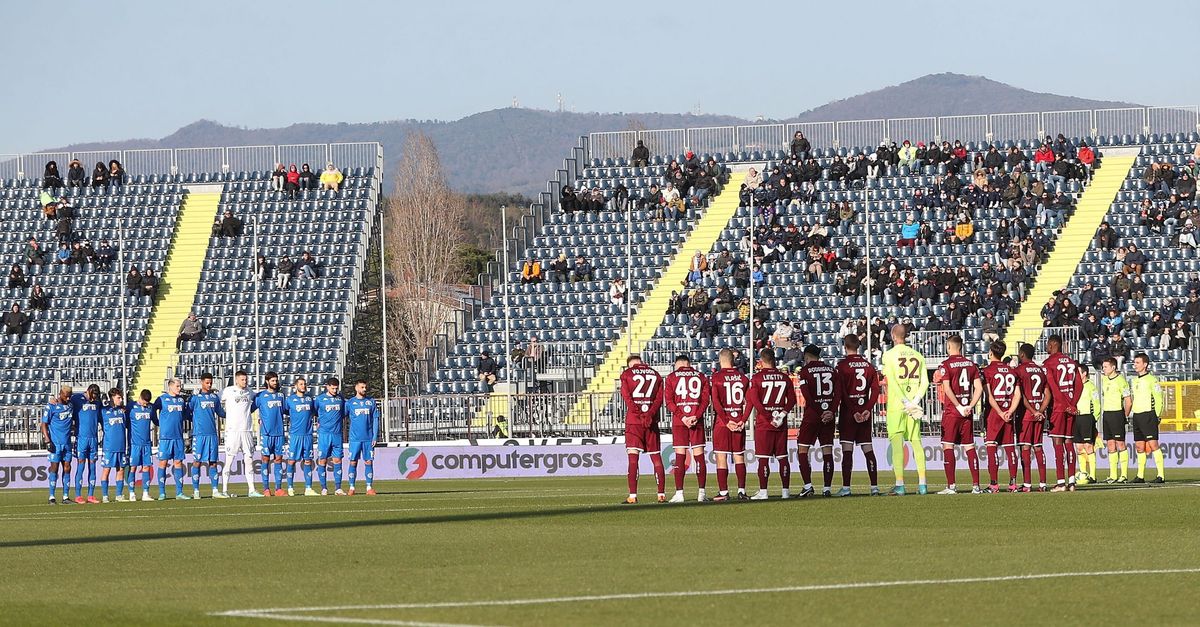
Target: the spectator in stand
pixel 800 146
pixel 262 269
pixel 1180 335
pixel 133 281
pixel 560 269
pixel 708 326
pixel 50 177
pixel 908 232
pixel 278 176
pixel 76 175
pixel 782 337
pixel 673 207
pixel 1185 187
pixel 308 178
pixel 531 272
pixel 758 277
pixel 616 292
pixel 964 230
pixel 1191 309
pixel 105 256
pixel 1106 236
pixel 230 226
pixel 640 156
pixel 1119 349
pixel 697 301
pixel 192 330
pixel 283 271
pixel 39 300
pixel 16 322
pixel 100 175
pixel 908 157
pixel 723 301
pixel 1135 260
pixel 701 188
pixel 1051 313
pixel 1087 158
pixel 1187 232
pixel 16 277
pixel 331 178
pixel 582 270
pixel 620 197
pixel 63 229
pixel 149 285
pixel 33 254
pixel 116 174
pixel 1043 159
pixel 567 200
pixel 696 268
pixel 486 369
pixel 291 182
pixel 306 266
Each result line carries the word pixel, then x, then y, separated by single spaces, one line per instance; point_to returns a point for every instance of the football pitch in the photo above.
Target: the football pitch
pixel 565 552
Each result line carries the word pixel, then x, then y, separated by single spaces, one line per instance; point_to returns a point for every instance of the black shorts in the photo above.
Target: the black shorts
pixel 1085 429
pixel 1114 425
pixel 1145 426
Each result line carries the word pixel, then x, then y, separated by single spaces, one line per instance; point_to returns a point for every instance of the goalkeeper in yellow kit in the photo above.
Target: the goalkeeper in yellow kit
pixel 907 382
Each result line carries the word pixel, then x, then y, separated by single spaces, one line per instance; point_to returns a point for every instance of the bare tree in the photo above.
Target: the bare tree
pixel 423 230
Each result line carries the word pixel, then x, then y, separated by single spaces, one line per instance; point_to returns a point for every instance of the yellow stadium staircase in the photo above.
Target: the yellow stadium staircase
pixel 178 282
pixel 652 310
pixel 1072 243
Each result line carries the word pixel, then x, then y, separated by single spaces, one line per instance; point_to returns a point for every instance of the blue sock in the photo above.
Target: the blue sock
pixel 266 474
pixel 120 487
pixel 103 488
pixel 307 469
pixel 132 480
pixel 145 481
pixel 277 470
pixel 162 481
pixel 91 468
pixel 177 473
pixel 79 478
pixel 337 474
pixel 353 473
pixel 54 483
pixel 290 470
pixel 321 476
pixel 195 477
pixel 370 475
pixel 213 478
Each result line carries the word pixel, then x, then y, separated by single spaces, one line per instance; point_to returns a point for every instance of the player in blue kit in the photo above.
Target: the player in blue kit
pixel 203 408
pixel 87 408
pixel 363 413
pixel 115 423
pixel 141 419
pixel 331 418
pixel 57 423
pixel 169 409
pixel 300 410
pixel 269 405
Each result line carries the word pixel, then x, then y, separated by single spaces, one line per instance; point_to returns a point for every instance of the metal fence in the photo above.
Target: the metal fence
pixel 979 127
pixel 211 160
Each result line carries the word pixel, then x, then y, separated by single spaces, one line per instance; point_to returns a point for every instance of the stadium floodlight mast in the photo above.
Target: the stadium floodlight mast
pixel 387 381
pixel 504 275
pixel 750 359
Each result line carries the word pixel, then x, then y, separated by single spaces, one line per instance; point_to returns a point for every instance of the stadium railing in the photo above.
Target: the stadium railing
pixel 19 428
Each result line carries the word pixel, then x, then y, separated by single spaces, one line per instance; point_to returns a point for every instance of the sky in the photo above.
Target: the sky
pixel 82 71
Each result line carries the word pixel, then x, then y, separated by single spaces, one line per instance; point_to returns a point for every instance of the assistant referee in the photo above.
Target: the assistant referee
pixel 1114 405
pixel 1147 411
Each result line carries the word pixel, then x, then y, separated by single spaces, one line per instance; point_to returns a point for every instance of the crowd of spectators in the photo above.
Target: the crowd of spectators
pixel 559 270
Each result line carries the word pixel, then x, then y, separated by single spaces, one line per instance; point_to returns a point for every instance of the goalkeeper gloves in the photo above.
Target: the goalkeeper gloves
pixel 51 448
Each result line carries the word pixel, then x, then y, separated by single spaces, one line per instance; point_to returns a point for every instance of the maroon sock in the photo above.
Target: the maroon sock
pixel 764 472
pixel 847 467
pixel 827 469
pixel 948 464
pixel 1025 462
pixel 1011 451
pixel 660 473
pixel 701 470
pixel 740 469
pixel 1072 460
pixel 993 465
pixel 723 479
pixel 1039 455
pixel 785 472
pixel 805 468
pixel 973 464
pixel 1060 459
pixel 679 470
pixel 872 467
pixel 632 473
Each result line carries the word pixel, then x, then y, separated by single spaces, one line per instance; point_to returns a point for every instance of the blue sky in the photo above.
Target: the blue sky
pixel 86 71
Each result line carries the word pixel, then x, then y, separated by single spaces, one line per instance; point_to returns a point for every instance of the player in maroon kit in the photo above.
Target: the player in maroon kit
pixel 1004 396
pixel 820 396
pixel 772 398
pixel 1066 386
pixel 686 395
pixel 960 390
pixel 1034 401
pixel 728 394
pixel 858 382
pixel 641 387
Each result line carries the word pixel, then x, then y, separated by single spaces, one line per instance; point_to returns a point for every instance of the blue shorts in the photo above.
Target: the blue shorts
pixel 272 445
pixel 361 450
pixel 170 450
pixel 139 455
pixel 204 449
pixel 62 452
pixel 85 449
pixel 329 446
pixel 300 447
pixel 113 460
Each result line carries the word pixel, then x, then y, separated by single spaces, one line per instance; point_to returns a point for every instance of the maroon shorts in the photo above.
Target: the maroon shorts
pixel 726 441
pixel 642 437
pixel 813 430
pixel 956 429
pixel 1032 431
pixel 998 431
pixel 854 432
pixel 687 436
pixel 769 443
pixel 1062 425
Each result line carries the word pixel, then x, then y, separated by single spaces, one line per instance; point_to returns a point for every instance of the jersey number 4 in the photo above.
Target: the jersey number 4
pixel 688 387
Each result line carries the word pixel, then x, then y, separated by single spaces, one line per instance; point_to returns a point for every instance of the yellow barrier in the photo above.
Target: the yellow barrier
pixel 1182 412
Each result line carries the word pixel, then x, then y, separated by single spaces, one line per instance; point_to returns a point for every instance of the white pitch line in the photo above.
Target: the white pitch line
pixel 290 613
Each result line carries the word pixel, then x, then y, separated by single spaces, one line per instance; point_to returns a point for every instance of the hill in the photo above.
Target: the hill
pixel 514 150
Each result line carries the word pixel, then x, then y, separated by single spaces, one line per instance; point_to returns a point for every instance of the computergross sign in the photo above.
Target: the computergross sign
pixel 1181 450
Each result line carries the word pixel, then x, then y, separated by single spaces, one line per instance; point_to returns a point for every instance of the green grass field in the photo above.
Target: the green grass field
pixel 522 552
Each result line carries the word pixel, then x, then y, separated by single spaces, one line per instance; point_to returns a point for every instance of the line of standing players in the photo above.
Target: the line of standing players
pixel 1018 399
